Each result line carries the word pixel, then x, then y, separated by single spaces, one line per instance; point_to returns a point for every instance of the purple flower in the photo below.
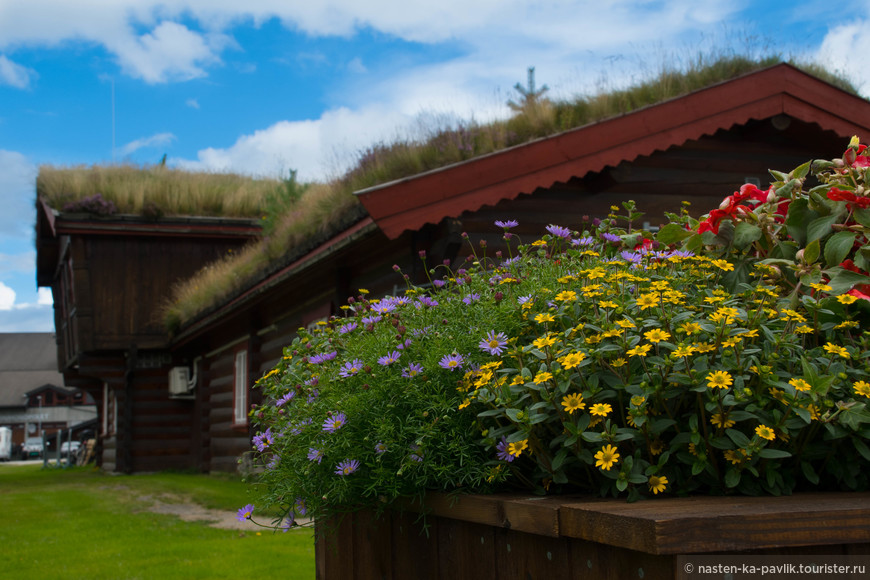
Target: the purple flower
pixel 351 368
pixel 611 237
pixel 451 361
pixel 473 297
pixel 493 343
pixel 425 300
pixel 289 522
pixel 502 451
pixel 313 395
pixel 321 358
pixel 299 506
pixel 559 231
pixel 347 467
pixel 384 307
pixel 632 257
pixel 263 440
pixel 315 454
pixel 380 447
pixel 404 345
pixel 245 512
pixel 371 320
pixel 312 382
pixel 439 283
pixel 390 358
pixel 524 299
pixel 334 423
pixel 510 262
pixel 587 241
pixel 285 399
pixel 421 331
pixel 507 224
pixel 345 328
pixel 412 370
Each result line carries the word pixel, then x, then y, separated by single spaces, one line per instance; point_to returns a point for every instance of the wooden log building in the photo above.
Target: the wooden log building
pixel 108 273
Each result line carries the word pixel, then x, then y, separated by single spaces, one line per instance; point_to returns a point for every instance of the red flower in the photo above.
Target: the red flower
pixel 857 158
pixel 835 194
pixel 857 294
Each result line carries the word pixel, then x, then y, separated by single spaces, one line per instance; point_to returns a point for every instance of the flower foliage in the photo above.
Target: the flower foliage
pixel 600 361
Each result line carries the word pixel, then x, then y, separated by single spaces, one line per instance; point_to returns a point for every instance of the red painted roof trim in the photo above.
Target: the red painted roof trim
pixel 410 203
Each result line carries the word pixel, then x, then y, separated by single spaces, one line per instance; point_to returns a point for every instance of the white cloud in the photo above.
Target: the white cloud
pixel 192 103
pixel 843 50
pixel 44 297
pixel 15 263
pixel 36 319
pixel 356 66
pixel 7 297
pixel 17 195
pixel 158 140
pixel 15 75
pixel 317 149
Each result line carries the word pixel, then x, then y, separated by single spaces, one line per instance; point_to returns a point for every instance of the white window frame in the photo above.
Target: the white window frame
pixel 240 388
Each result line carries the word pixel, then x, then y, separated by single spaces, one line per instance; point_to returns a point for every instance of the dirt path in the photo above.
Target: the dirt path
pixel 191 512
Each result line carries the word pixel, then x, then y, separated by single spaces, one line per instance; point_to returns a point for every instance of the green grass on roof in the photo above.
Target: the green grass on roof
pixel 156 190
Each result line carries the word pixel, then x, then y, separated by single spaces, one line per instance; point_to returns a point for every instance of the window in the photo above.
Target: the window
pixel 240 391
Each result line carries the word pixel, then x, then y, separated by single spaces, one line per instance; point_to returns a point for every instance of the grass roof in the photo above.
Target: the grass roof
pixel 325 208
pixel 153 190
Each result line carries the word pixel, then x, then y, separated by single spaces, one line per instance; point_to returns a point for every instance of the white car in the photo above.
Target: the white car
pixel 68 448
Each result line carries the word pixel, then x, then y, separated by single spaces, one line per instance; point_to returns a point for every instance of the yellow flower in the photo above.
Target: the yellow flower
pixel 800 384
pixel 731 342
pixel 821 287
pixel 594 339
pixel 656 335
pixel 539 243
pixel 736 457
pixel 573 402
pixel 765 432
pixel 639 350
pixel 645 301
pixel 656 447
pixel 518 380
pixel 638 400
pixel 719 380
pixel 814 412
pixel 657 483
pixel 464 403
pixel 611 333
pixel 606 457
pixel 690 327
pixel 517 447
pixel 723 265
pixel 544 341
pixel 702 347
pixel 363 291
pixel 714 299
pixel 543 377
pixel 600 409
pixel 625 324
pixel 803 329
pixel 792 315
pixel 861 388
pixel 718 421
pixel 566 296
pixel 571 360
pixel 846 298
pixel 618 362
pixel 542 318
pixel 608 304
pixel 565 279
pixel 847 324
pixel 835 349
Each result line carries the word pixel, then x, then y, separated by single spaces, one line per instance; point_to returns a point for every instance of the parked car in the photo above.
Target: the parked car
pixel 32 448
pixel 68 448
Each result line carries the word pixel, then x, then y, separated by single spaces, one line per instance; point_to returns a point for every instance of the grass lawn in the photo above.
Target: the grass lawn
pixel 81 523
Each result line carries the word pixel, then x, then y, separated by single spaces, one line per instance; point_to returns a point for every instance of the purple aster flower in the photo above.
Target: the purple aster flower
pixel 559 231
pixel 312 382
pixel 371 320
pixel 322 358
pixel 507 224
pixel 334 423
pixel 611 237
pixel 633 257
pixel 313 395
pixel 285 399
pixel 245 513
pixel 412 370
pixel 384 307
pixel 380 447
pixel 680 254
pixel 421 331
pixel 510 262
pixel 473 297
pixel 493 343
pixel 587 241
pixel 315 454
pixel 404 345
pixel 263 440
pixel 425 300
pixel 273 463
pixel 452 361
pixel 347 467
pixel 351 368
pixel 523 299
pixel 389 359
pixel 439 283
pixel 299 506
pixel 289 522
pixel 415 454
pixel 345 328
pixel 502 451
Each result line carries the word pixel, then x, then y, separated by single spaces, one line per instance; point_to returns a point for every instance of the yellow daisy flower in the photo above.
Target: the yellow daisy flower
pixel 606 457
pixel 543 377
pixel 836 349
pixel 573 402
pixel 656 335
pixel 861 388
pixel 718 421
pixel 765 432
pixel 800 385
pixel 639 350
pixel 600 409
pixel 846 299
pixel 571 360
pixel 719 380
pixel 657 483
pixel 517 447
pixel 544 318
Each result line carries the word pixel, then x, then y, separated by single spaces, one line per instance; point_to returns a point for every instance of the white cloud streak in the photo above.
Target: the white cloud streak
pixel 158 140
pixel 15 75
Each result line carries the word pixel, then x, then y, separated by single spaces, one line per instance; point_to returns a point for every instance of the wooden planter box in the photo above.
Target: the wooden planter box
pixel 513 536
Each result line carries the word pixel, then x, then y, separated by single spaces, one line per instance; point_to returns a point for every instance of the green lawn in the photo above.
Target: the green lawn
pixel 81 523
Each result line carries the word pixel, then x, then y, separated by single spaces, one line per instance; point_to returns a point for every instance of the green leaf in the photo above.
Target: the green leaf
pixel 773 453
pixel 799 216
pixel 672 234
pixel 732 478
pixel 861 447
pixel 745 233
pixel 821 227
pixel 811 252
pixel 862 216
pixel 843 280
pixel 809 472
pixel 737 437
pixel 838 247
pixel 801 171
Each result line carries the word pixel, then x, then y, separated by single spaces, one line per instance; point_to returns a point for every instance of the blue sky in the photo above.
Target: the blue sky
pixel 265 86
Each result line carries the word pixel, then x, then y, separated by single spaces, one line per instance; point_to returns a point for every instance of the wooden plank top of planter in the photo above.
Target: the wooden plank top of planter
pixel 673 525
